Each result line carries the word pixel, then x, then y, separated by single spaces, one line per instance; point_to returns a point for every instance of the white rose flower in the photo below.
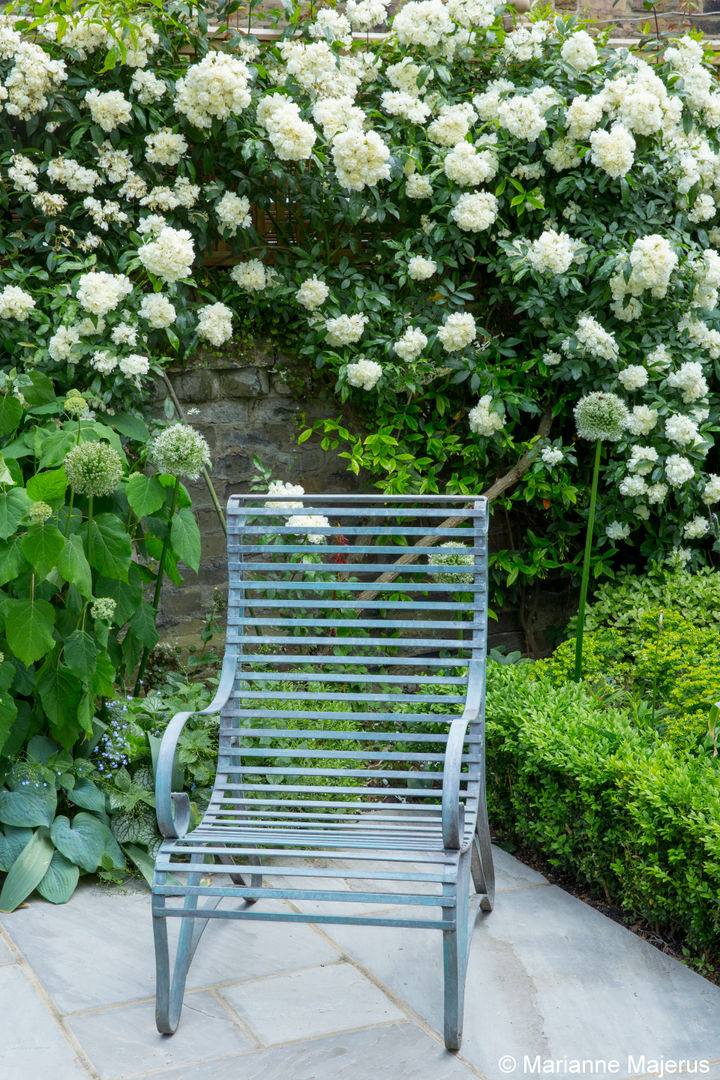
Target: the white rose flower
pixel 233 212
pixel 15 303
pixel 420 269
pixel 170 256
pixel 475 211
pixel 312 294
pixel 157 310
pixel 696 528
pixel 458 331
pixel 364 373
pixel 633 377
pixel 134 366
pixel 345 329
pixel 251 275
pixel 678 470
pixel 613 151
pixel 165 147
pixel 215 323
pixel 99 292
pixel 579 51
pixel 410 345
pixel 108 110
pixel 485 421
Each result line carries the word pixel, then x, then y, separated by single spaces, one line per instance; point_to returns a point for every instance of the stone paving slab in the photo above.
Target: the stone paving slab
pixel 551 983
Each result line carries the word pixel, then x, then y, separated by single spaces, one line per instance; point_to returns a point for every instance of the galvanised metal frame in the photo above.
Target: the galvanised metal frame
pixel 393 800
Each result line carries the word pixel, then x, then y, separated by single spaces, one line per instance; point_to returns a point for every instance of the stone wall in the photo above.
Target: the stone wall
pixel 244 406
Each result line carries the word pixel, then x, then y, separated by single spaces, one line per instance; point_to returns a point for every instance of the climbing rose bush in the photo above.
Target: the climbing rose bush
pixel 469 227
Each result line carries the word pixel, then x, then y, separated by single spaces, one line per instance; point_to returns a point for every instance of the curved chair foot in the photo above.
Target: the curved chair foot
pixel 456 944
pixel 483 870
pixel 170 984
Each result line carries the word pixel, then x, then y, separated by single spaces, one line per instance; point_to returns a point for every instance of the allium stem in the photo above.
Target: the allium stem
pixel 158 584
pixel 577 675
pixel 89 526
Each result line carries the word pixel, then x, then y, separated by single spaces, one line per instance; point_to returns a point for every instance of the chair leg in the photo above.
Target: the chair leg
pixel 483 871
pixel 170 980
pixel 238 879
pixel 455 957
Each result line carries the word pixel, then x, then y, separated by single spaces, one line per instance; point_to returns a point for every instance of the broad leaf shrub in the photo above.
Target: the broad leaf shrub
pixel 471 229
pixel 618 809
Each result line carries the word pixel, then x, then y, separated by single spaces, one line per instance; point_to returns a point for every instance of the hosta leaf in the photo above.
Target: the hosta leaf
pixel 185 538
pixel 28 628
pixel 145 494
pixel 12 842
pixel 60 880
pixel 80 654
pixel 14 504
pixel 28 807
pixel 111 550
pixel 74 567
pixel 48 486
pixel 27 871
pixel 82 842
pixel 144 862
pixel 88 796
pixel 41 547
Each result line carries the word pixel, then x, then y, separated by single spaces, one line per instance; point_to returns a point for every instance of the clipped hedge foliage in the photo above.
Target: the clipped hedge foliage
pixel 631 817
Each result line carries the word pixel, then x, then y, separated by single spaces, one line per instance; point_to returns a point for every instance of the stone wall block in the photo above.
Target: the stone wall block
pixel 247 382
pixel 195 385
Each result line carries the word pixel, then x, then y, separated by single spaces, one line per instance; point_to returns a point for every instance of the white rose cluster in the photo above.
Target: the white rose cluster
pixel 233 212
pixel 690 381
pixel 593 339
pixel 157 311
pixel 553 252
pixel 345 329
pixel 312 294
pixel 410 345
pixel 170 256
pixel 364 373
pixel 31 79
pixel 283 487
pixel 579 51
pixel 213 89
pixel 165 147
pixel 475 211
pixel 15 303
pixel 422 22
pixel 74 176
pixel 465 166
pixel 458 331
pixel 360 158
pixel 292 138
pixel 99 292
pixel 252 276
pixel 214 323
pixel 420 268
pixel 452 124
pixel 484 419
pixel 336 114
pixel 108 110
pixel 613 151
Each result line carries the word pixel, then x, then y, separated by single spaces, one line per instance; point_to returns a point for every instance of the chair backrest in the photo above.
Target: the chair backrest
pixel 343 699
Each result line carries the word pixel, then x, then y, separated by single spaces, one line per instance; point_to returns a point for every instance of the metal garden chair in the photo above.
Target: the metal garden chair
pixel 351 712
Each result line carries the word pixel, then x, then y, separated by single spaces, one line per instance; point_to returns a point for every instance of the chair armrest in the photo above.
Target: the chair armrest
pixel 452 808
pixel 172 807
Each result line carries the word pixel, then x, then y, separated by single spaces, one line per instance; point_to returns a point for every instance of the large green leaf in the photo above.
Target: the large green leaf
pixel 74 567
pixel 83 842
pixel 131 425
pixel 144 863
pixel 28 628
pixel 185 538
pixel 8 714
pixel 88 796
pixel 80 654
pixel 48 486
pixel 126 594
pixel 41 547
pixel 28 806
pixel 104 681
pixel 142 625
pixel 10 413
pixel 14 504
pixel 145 494
pixel 40 390
pixel 111 550
pixel 12 560
pixel 54 449
pixel 27 871
pixel 60 694
pixel 12 842
pixel 60 880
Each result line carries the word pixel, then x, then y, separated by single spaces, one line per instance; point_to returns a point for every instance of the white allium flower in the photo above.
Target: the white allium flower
pixel 458 331
pixel 642 459
pixel 579 51
pixel 61 344
pixel 445 558
pixel 165 147
pixel 422 22
pixel 420 269
pixel 233 212
pixel 181 451
pixel 336 114
pixel 410 345
pixel 696 528
pixel 109 110
pixel 418 186
pixel 689 379
pixel 364 373
pixel 281 487
pixel 465 166
pixel 360 158
pixel 553 252
pixel 633 377
pixel 711 491
pixel 170 256
pixel 93 468
pixel 345 329
pixel 303 523
pixel 633 486
pixel 147 87
pixel 678 470
pixel 451 124
pixel 15 303
pixel 251 275
pixel 551 455
pixel 99 292
pixel 475 211
pixel 214 323
pixel 613 151
pixel 483 419
pixel 521 117
pixel 617 531
pixel 134 365
pixel 157 310
pixel 600 416
pixel 213 89
pixel 681 430
pixel 312 294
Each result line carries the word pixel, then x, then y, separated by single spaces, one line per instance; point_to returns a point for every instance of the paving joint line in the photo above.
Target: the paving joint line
pixel 83 1060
